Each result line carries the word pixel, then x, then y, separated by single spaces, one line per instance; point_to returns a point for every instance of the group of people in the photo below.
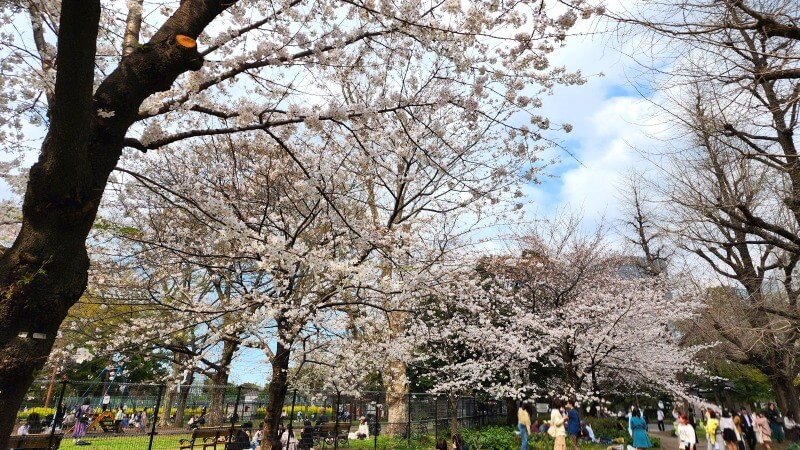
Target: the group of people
pixel 741 431
pixel 84 413
pixel 307 435
pixel 565 425
pixel 136 420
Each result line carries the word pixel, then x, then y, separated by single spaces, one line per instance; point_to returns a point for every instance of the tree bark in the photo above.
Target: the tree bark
pixel 511 411
pixel 397 390
pixel 133 24
pixel 278 386
pixel 216 408
pixel 786 395
pixel 46 270
pixel 182 396
pixel 169 399
pixel 452 401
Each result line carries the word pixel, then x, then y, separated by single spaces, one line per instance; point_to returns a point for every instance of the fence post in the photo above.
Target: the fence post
pixel 55 415
pixel 336 418
pixel 436 418
pixel 235 412
pixel 291 416
pixel 408 422
pixel 375 435
pixel 155 416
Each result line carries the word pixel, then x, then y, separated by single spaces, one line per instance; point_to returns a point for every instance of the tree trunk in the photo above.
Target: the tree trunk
pixel 216 408
pixel 511 411
pixel 183 395
pixel 169 399
pixel 216 413
pixel 133 24
pixel 452 401
pixel 46 270
pixel 786 394
pixel 277 386
pixel 397 390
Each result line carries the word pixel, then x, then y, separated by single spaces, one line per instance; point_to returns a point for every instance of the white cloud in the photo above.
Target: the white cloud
pixel 611 119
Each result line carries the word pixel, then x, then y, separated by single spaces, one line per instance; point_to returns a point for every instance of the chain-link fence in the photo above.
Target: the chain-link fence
pixel 122 416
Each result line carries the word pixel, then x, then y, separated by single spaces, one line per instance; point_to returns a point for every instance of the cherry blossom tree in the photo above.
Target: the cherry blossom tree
pixel 603 319
pixel 564 314
pixel 214 68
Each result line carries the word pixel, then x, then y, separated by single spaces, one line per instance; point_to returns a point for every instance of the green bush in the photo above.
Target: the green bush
pixel 505 438
pixel 607 428
pixel 491 438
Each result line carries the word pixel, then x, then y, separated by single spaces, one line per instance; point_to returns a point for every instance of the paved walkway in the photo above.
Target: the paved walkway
pixel 668 441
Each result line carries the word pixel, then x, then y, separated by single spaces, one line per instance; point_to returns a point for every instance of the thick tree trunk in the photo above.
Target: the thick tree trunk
pixel 169 399
pixel 216 413
pixel 278 386
pixel 216 408
pixel 397 390
pixel 511 411
pixel 786 394
pixel 45 271
pixel 182 397
pixel 452 402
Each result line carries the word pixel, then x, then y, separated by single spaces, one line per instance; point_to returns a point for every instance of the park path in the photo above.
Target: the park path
pixel 668 441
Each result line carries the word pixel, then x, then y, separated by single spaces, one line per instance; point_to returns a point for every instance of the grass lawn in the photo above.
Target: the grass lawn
pixel 133 442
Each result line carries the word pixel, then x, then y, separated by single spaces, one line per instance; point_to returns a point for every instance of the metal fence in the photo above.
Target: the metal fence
pixel 145 416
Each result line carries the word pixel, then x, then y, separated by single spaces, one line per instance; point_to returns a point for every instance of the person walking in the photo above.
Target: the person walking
pixel 143 420
pixel 729 433
pixel 118 417
pixel 639 430
pixel 748 429
pixel 556 429
pixel 775 422
pixel 712 425
pixel 573 424
pixel 82 416
pixel 686 434
pixel 524 414
pixel 737 422
pixel 763 430
pixel 660 419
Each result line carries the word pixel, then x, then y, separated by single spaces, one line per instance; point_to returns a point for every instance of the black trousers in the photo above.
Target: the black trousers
pixel 660 425
pixel 750 437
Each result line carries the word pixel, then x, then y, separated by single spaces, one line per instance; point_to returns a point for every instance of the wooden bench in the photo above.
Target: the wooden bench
pixel 209 437
pixel 328 433
pixel 35 441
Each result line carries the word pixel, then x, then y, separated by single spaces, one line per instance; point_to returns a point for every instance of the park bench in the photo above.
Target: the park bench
pixel 329 432
pixel 35 441
pixel 206 437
